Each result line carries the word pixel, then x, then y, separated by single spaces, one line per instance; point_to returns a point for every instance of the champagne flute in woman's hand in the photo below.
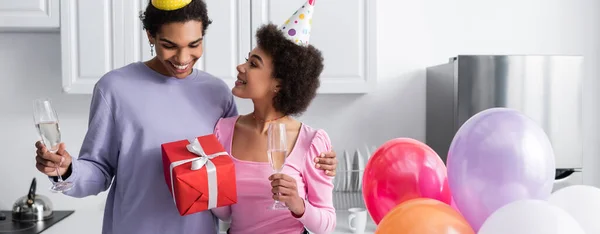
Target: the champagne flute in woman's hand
pixel 277 152
pixel 46 122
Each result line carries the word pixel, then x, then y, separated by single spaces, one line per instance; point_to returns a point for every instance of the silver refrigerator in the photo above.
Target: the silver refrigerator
pixel 548 89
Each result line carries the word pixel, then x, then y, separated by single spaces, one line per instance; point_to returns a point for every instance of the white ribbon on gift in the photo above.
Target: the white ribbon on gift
pixel 197 163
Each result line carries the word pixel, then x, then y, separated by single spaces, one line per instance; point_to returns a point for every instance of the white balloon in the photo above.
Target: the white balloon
pixel 530 217
pixel 582 202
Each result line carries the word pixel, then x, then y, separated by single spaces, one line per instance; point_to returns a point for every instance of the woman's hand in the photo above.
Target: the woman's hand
pixel 327 162
pixel 285 190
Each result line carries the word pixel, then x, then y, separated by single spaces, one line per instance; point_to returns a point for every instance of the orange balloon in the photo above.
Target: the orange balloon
pixel 423 215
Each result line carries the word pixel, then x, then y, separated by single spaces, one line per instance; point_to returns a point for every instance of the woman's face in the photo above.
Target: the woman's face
pixel 255 80
pixel 178 46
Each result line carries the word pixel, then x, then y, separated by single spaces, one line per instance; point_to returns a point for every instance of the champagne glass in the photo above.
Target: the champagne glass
pixel 277 152
pixel 46 122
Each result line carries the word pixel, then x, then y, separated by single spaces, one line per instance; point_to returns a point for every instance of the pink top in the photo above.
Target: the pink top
pixel 251 214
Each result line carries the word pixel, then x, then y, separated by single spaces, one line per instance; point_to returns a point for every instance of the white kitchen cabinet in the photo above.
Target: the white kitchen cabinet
pixel 92 41
pixel 101 35
pixel 227 40
pixel 344 31
pixel 29 15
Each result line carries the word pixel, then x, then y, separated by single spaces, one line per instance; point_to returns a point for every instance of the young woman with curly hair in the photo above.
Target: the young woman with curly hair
pixel 137 108
pixel 281 78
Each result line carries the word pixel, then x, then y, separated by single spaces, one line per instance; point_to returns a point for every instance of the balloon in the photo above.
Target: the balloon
pixel 530 217
pixel 400 170
pixel 423 215
pixel 453 205
pixel 496 157
pixel 582 202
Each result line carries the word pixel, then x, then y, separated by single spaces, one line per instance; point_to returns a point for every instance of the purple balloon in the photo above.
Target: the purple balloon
pixel 496 157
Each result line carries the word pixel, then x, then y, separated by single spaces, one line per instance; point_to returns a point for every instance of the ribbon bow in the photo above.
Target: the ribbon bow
pixel 197 163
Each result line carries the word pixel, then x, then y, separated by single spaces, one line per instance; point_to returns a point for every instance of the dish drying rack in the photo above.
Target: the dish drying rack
pixel 347 189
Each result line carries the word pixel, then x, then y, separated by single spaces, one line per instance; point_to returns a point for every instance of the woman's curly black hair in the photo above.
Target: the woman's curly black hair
pixel 296 67
pixel 153 18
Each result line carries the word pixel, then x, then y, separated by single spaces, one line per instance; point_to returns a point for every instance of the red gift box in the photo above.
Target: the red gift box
pixel 199 173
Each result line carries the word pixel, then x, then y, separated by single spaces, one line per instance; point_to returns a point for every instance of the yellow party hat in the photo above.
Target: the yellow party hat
pixel 169 5
pixel 297 27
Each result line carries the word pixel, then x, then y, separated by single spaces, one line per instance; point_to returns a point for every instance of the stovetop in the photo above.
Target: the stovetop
pixel 9 226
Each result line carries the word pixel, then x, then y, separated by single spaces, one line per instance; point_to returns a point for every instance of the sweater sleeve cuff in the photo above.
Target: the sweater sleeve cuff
pixel 308 209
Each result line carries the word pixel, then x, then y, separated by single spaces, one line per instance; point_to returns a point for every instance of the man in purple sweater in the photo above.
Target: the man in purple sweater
pixel 134 110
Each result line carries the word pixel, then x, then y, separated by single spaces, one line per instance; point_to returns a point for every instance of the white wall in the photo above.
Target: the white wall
pixel 413 35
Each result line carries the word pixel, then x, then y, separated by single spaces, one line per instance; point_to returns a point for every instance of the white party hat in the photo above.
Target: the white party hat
pixel 297 27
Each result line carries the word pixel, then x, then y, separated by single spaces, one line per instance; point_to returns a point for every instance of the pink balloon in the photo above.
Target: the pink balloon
pixel 400 170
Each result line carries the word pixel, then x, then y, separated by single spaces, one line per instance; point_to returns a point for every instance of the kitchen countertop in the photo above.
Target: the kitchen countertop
pixel 82 221
pixel 342 224
pixel 90 222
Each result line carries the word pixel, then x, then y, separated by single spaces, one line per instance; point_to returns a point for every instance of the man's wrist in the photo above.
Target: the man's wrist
pixel 65 175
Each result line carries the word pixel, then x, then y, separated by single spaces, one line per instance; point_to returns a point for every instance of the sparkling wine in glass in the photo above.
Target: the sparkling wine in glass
pixel 277 152
pixel 46 123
